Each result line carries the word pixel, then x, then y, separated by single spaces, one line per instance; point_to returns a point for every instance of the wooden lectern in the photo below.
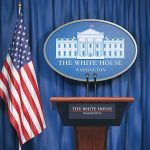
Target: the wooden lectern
pixel 91 117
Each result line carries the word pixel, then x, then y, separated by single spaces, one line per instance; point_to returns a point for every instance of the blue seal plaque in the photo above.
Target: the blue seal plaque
pixel 90 46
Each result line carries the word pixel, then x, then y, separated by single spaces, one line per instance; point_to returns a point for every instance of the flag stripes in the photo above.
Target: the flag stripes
pixel 22 99
pixel 12 112
pixel 27 96
pixel 17 96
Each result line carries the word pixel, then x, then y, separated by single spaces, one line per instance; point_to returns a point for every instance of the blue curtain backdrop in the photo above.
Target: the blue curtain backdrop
pixel 41 18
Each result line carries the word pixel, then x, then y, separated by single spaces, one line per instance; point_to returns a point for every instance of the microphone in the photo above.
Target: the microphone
pixel 94 75
pixel 87 84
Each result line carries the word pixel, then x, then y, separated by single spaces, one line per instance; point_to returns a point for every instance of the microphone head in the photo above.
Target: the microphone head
pixel 94 75
pixel 87 75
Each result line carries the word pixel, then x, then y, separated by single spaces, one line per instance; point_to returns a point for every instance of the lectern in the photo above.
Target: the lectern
pixel 91 117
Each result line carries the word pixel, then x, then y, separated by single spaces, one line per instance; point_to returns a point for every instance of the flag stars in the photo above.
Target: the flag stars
pixel 20 50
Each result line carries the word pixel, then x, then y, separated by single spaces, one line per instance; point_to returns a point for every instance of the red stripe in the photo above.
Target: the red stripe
pixel 1 94
pixel 24 109
pixel 32 80
pixel 11 117
pixel 16 106
pixel 31 101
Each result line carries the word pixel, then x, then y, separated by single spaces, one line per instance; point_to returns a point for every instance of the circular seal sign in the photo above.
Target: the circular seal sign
pixel 90 46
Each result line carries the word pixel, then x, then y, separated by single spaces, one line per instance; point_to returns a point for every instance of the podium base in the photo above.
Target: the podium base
pixel 90 138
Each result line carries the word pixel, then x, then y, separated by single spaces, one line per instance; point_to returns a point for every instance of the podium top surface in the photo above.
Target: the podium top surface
pixel 91 99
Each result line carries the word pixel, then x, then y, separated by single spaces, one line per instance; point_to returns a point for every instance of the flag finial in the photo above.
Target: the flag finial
pixel 19 6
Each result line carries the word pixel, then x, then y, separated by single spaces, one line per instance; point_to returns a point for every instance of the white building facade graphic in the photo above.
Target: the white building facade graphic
pixel 89 44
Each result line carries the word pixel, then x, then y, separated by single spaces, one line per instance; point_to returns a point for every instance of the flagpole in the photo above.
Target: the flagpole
pixel 19 6
pixel 19 9
pixel 19 146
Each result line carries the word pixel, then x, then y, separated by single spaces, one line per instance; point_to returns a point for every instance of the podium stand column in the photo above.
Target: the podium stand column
pixel 90 138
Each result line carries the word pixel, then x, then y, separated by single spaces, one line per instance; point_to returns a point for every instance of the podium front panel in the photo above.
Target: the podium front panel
pixel 81 120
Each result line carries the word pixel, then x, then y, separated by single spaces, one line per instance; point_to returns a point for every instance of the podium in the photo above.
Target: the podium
pixel 91 117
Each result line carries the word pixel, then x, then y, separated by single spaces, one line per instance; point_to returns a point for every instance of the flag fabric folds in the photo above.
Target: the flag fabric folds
pixel 19 88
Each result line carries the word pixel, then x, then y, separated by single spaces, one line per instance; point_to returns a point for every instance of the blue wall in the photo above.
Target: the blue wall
pixel 41 18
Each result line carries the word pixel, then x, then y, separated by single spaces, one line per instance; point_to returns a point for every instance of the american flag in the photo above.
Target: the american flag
pixel 19 88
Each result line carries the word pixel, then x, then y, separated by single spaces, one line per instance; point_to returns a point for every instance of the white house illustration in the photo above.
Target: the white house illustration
pixel 89 44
